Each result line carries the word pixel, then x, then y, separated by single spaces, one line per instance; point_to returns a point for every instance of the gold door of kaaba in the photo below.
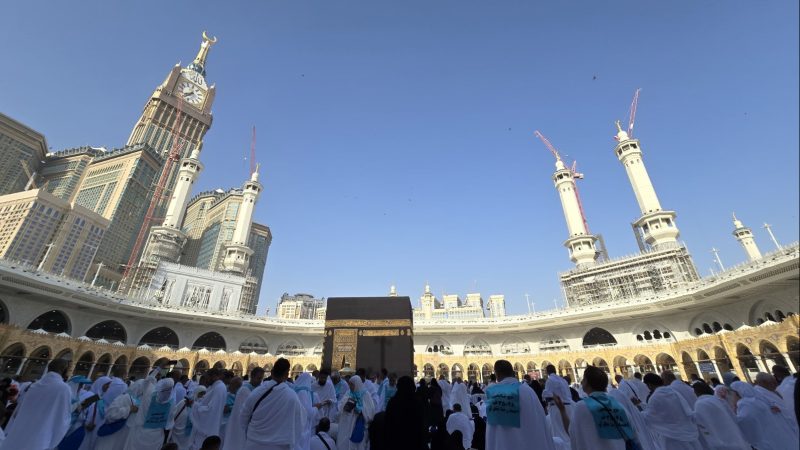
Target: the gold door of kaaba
pixel 370 333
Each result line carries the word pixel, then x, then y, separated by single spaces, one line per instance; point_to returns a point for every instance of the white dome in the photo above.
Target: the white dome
pixel 184 349
pixel 144 347
pixel 84 338
pixel 203 350
pixel 768 323
pixel 101 341
pixel 221 352
pixel 39 331
pixel 63 334
pixel 119 344
pixel 165 348
pixel 744 327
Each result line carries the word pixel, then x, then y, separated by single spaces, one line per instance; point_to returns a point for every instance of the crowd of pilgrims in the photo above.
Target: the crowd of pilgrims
pixel 325 411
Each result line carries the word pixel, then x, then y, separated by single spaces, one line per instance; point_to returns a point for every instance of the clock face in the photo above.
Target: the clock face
pixel 191 93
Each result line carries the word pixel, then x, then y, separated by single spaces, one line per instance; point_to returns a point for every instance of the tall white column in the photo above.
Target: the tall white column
pixel 187 174
pixel 237 253
pixel 745 237
pixel 657 224
pixel 580 243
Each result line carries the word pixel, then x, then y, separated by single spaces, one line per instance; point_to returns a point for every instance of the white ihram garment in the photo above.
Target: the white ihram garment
pixel 277 423
pixel 762 428
pixel 206 414
pixel 669 417
pixel 43 418
pixel 462 424
pixel 717 425
pixel 347 421
pixel 140 437
pixel 532 433
pixel 646 439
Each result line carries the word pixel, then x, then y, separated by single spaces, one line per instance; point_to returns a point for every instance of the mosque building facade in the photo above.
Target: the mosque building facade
pixel 193 294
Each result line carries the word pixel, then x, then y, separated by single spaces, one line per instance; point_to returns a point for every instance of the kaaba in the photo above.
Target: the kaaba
pixel 370 333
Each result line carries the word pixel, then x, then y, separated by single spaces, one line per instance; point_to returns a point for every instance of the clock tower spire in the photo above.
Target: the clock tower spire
pixel 154 126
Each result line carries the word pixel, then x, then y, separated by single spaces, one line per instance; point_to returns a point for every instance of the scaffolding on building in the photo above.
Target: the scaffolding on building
pixel 632 276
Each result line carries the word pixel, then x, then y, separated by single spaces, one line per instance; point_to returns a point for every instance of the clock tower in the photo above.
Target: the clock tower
pixel 185 85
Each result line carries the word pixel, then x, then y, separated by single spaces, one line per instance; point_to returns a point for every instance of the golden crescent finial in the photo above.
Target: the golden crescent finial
pixel 208 39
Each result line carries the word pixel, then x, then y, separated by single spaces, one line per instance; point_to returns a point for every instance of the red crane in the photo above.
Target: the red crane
pixel 174 156
pixel 575 174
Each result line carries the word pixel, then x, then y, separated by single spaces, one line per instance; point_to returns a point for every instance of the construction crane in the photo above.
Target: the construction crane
pixel 632 114
pixel 575 174
pixel 253 153
pixel 172 158
pixel 31 176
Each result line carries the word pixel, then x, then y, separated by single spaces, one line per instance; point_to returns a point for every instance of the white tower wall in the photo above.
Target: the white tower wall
pixel 237 253
pixel 658 226
pixel 187 174
pixel 744 235
pixel 580 243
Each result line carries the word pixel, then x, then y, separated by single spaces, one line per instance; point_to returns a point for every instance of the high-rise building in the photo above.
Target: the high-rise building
pixel 300 306
pixel 40 229
pixel 452 306
pixel 22 151
pixel 117 185
pixel 63 171
pixel 497 305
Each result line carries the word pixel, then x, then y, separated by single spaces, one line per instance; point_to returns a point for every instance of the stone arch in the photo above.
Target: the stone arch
pixel 747 361
pixel 477 346
pixel 254 344
pixel 159 337
pixel 601 363
pixel 771 355
pixel 473 372
pixel 53 321
pixel 311 368
pixel 5 316
pixel 723 360
pixel 160 361
pixel 110 330
pixel 666 362
pixel 183 366
pixel 486 373
pixel 768 310
pixel 565 369
pixel 688 364
pixel 219 365
pixel 531 366
pixel 458 371
pixel 140 367
pixel 37 362
pixel 710 322
pixel 643 364
pixel 514 345
pixel 520 370
pixel 200 367
pixel 121 361
pixel 11 360
pixel 83 365
pixel 297 369
pixel 293 348
pixel 439 345
pixel 102 366
pixel 210 341
pixel 793 350
pixel 236 368
pixel 65 354
pixel 444 371
pixel 553 343
pixel 620 365
pixel 598 337
pixel 428 370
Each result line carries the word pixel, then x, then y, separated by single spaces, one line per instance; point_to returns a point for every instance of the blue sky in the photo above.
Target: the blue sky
pixel 397 137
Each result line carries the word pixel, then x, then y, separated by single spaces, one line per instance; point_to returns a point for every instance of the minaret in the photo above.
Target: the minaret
pixel 580 243
pixel 165 242
pixel 745 237
pixel 188 171
pixel 393 291
pixel 658 226
pixel 237 253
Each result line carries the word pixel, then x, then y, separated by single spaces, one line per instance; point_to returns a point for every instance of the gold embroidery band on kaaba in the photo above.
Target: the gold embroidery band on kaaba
pixel 374 323
pixel 380 332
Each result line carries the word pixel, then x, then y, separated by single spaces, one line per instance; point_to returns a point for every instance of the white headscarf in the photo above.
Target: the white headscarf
pixel 164 390
pixel 97 386
pixel 669 415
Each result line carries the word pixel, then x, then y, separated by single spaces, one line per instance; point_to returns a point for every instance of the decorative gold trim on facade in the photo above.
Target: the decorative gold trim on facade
pixel 345 347
pixel 360 323
pixel 379 332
